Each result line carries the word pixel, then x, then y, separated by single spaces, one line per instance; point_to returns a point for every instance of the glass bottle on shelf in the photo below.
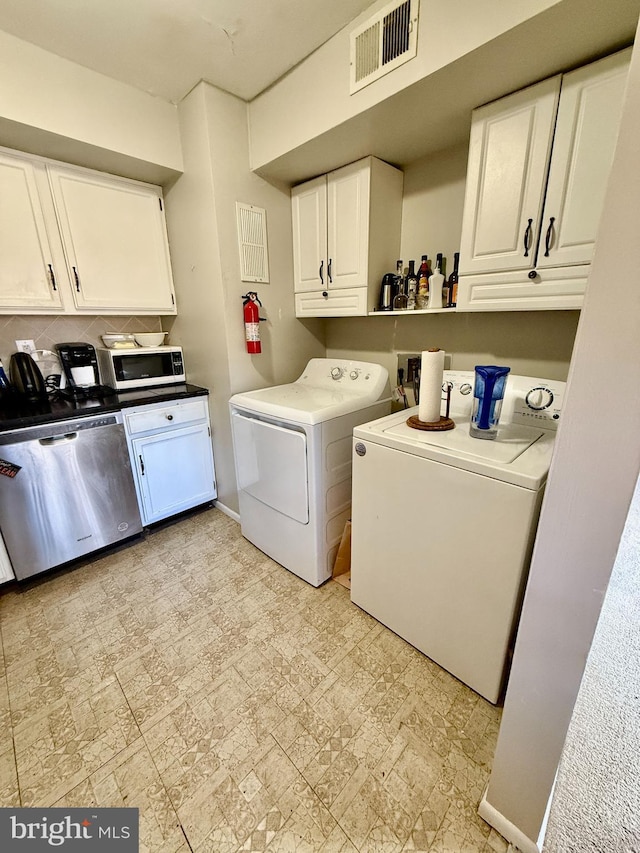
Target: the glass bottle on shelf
pixel 453 282
pixel 423 283
pixel 441 263
pixel 412 286
pixel 400 296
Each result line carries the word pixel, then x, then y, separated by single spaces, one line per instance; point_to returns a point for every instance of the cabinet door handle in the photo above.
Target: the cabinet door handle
pixel 329 279
pixel 320 273
pixel 141 464
pixel 527 238
pixel 547 239
pixel 77 278
pixel 52 277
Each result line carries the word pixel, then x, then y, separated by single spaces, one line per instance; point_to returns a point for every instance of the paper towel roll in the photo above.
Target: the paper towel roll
pixel 431 371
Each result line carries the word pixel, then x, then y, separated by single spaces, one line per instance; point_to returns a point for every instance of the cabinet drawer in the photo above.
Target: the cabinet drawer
pixel 165 416
pixel 345 302
pixel 513 291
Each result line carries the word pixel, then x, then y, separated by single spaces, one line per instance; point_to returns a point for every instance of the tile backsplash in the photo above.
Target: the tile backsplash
pixel 46 331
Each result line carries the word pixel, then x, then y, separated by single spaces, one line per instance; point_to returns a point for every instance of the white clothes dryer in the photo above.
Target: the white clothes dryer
pixel 443 526
pixel 292 449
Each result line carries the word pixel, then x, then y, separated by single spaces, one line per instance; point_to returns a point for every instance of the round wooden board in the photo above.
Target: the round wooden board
pixel 441 425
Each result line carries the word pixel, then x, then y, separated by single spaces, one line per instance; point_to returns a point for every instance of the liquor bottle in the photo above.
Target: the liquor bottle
pixel 412 286
pixel 453 282
pixel 423 283
pixel 400 296
pixel 441 263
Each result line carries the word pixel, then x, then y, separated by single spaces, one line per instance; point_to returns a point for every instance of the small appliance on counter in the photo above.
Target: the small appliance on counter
pixel 141 367
pixel 80 366
pixel 26 377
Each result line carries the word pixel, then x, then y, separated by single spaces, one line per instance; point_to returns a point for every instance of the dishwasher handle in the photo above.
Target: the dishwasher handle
pixel 56 439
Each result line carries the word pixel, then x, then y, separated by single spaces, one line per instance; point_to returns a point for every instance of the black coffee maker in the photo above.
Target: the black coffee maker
pixel 80 365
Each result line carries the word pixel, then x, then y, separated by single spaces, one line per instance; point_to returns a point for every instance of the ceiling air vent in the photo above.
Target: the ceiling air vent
pixel 383 42
pixel 252 242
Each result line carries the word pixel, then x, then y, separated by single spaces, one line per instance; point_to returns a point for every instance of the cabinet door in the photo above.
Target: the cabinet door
pixel 309 220
pixel 509 151
pixel 175 471
pixel 583 147
pixel 115 242
pixel 348 192
pixel 28 278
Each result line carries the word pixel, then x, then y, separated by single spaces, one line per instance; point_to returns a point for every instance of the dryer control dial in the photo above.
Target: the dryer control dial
pixel 465 388
pixel 539 398
pixel 354 373
pixel 336 372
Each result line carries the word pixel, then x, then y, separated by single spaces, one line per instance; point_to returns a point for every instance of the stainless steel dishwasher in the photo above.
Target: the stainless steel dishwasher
pixel 66 489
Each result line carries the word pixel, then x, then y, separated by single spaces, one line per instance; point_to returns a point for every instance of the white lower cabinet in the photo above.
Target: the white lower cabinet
pixel 171 456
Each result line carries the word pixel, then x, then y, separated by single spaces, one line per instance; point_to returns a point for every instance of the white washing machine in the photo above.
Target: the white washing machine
pixel 443 526
pixel 292 448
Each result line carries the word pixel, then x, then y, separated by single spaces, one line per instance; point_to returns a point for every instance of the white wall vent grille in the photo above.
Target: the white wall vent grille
pixel 252 242
pixel 383 42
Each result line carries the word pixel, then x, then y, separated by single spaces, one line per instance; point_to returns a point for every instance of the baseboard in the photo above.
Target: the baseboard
pixel 225 509
pixel 507 829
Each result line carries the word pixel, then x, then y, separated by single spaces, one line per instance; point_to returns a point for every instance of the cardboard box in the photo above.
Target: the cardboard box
pixel 342 565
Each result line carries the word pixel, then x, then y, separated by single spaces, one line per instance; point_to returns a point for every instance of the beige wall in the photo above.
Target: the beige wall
pixel 201 219
pixel 55 108
pixel 286 116
pixel 432 203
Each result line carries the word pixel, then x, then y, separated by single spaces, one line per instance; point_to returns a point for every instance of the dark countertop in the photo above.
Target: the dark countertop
pixel 16 413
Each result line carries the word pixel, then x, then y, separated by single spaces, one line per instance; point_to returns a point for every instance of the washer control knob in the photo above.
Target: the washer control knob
pixel 539 398
pixel 360 448
pixel 336 373
pixel 354 374
pixel 465 388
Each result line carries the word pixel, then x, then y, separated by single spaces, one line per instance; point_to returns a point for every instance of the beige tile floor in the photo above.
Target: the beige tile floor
pixel 237 707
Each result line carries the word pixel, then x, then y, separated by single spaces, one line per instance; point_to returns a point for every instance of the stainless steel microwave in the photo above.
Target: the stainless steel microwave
pixel 140 367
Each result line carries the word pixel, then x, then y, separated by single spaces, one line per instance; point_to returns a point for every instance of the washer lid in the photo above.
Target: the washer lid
pixel 519 455
pixel 512 440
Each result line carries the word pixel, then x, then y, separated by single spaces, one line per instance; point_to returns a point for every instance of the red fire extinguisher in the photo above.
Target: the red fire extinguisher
pixel 252 321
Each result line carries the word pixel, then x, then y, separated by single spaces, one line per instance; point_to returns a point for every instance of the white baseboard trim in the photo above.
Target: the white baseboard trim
pixel 507 829
pixel 231 513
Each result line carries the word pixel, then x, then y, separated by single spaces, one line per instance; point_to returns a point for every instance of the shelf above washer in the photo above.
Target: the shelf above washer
pixel 410 312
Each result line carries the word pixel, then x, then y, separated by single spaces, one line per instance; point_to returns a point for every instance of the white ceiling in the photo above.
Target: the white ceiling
pixel 165 47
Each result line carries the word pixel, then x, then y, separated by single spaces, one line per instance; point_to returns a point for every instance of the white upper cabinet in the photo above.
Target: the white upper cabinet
pixel 539 162
pixel 77 241
pixel 509 153
pixel 115 242
pixel 309 218
pixel 583 148
pixel 346 235
pixel 29 278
